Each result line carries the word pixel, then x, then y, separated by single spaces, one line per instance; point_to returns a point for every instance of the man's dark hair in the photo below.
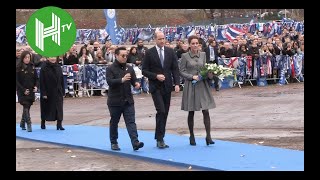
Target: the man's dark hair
pixel 211 41
pixel 117 51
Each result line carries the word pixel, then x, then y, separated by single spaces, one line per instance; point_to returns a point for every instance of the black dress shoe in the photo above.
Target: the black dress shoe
pixel 161 145
pixel 137 145
pixel 115 147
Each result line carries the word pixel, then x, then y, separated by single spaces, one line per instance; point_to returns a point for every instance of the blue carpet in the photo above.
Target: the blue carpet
pixel 223 155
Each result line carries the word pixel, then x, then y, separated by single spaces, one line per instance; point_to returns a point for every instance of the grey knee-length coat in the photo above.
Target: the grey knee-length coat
pixel 198 96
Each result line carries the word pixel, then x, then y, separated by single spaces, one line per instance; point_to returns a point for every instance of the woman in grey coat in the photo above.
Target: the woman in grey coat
pixel 196 96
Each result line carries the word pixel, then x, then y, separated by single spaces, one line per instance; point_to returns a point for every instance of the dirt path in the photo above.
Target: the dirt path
pixel 272 116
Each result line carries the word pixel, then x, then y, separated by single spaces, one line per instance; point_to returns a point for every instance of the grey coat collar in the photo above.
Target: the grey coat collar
pixel 194 55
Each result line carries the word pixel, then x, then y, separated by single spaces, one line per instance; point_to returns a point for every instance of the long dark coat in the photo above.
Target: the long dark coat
pixel 26 78
pixel 52 86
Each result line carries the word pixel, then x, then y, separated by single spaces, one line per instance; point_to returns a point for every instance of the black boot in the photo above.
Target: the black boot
pixel 26 117
pixel 23 124
pixel 29 128
pixel 59 125
pixel 206 120
pixel 43 124
pixel 190 125
pixel 192 140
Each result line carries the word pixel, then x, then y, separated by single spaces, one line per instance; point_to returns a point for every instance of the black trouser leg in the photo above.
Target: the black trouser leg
pixel 115 113
pixel 129 119
pixel 160 116
pixel 76 88
pixel 216 82
pixel 166 100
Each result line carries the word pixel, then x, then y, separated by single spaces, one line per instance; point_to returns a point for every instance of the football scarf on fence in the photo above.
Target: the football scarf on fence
pixel 68 77
pixel 249 65
pixel 95 76
pixel 101 77
pixel 241 70
pixel 277 61
pixel 283 64
pixel 255 70
pixel 229 62
pixel 297 62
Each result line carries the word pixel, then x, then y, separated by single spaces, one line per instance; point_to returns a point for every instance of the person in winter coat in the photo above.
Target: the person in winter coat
pixel 26 82
pixel 52 92
pixel 196 96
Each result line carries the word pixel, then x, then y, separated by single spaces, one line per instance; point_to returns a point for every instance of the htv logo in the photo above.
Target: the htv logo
pixel 53 31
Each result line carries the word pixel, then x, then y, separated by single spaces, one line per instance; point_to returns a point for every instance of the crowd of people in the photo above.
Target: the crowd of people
pixel 164 65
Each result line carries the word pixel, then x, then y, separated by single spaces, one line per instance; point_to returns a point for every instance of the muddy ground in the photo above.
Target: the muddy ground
pixel 270 116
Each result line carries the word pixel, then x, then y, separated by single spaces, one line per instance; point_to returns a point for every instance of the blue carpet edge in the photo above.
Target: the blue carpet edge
pixel 118 153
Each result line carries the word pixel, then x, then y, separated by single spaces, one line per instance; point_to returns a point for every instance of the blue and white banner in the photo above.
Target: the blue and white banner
pixel 119 35
pixel 21 33
pixel 111 24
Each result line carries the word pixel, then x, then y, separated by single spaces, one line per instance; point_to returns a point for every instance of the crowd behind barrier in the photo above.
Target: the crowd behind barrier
pixel 221 32
pixel 263 68
pixel 280 67
pixel 93 76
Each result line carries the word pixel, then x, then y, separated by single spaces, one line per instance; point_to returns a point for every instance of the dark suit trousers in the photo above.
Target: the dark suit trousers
pixel 128 112
pixel 161 100
pixel 216 81
pixel 215 78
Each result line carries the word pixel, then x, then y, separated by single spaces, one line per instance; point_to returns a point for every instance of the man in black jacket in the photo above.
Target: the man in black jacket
pixel 120 77
pixel 160 66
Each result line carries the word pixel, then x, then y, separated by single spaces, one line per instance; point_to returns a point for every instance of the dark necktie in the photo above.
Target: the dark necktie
pixel 161 56
pixel 211 54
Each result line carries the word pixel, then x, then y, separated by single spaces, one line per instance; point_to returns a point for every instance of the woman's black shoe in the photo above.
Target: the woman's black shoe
pixel 59 125
pixel 60 128
pixel 43 124
pixel 209 141
pixel 192 141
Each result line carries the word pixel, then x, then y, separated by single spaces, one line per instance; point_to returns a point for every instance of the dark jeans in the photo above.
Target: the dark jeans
pixel 161 100
pixel 128 112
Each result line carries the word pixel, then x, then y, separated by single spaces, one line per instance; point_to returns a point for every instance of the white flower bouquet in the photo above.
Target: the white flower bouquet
pixel 210 70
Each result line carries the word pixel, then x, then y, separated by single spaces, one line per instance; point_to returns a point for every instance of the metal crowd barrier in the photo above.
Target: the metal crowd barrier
pixel 280 68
